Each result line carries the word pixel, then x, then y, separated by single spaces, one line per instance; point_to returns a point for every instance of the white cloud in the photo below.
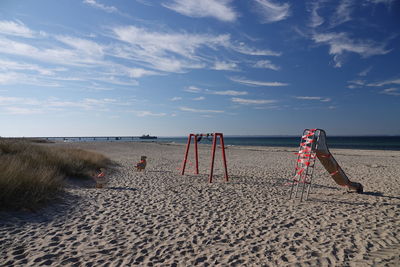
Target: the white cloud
pixel 200 98
pixel 22 78
pixel 318 98
pixel 244 49
pixel 85 104
pixel 365 72
pixel 26 106
pixel 271 11
pixel 176 98
pixel 87 47
pixel 93 3
pixel 219 9
pixel 342 13
pixel 243 101
pixel 391 91
pixel 22 111
pixel 223 65
pixel 315 20
pixel 386 2
pixel 200 110
pixel 146 113
pixel 226 92
pixel 58 55
pixel 15 28
pixel 170 52
pixel 256 83
pixel 5 100
pixel 139 72
pixel 265 64
pixel 383 83
pixel 13 65
pixel 193 89
pixel 182 44
pixel 357 82
pixel 340 43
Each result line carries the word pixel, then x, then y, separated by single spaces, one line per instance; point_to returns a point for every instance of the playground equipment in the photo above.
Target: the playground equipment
pixel 141 165
pixel 313 145
pixel 197 138
pixel 100 178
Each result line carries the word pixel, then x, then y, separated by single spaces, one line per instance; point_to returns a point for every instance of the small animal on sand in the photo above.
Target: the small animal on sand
pixel 141 165
pixel 100 178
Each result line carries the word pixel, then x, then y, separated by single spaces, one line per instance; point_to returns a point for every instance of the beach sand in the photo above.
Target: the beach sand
pixel 161 218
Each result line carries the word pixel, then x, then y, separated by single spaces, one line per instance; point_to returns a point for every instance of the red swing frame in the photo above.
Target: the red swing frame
pixel 196 154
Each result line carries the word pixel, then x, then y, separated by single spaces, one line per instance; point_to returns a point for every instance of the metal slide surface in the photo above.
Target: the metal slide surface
pixel 331 165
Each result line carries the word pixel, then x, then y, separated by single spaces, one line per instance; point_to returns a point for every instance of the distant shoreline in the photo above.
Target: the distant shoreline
pixel 391 143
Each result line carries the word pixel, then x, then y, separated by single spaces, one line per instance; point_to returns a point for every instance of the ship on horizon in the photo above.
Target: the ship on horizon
pixel 147 136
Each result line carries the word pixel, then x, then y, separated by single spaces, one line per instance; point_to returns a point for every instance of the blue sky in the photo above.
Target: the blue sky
pixel 171 67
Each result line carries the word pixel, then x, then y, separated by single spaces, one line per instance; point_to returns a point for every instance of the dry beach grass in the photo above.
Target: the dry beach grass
pixel 160 218
pixel 30 174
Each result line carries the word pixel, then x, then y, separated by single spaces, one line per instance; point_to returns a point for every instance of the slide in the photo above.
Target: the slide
pixel 331 165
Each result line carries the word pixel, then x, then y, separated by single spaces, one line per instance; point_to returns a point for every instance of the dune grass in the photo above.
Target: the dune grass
pixel 31 174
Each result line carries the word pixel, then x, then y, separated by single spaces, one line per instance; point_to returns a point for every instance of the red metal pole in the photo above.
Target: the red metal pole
pixel 186 154
pixel 221 141
pixel 196 154
pixel 212 157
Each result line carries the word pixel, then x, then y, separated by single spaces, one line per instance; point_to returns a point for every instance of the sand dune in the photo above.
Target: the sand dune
pixel 159 217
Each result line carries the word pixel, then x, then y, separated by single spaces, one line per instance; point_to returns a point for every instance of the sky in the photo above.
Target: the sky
pixel 174 67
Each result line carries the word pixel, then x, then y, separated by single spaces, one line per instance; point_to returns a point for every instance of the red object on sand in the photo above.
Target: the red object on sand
pixel 196 154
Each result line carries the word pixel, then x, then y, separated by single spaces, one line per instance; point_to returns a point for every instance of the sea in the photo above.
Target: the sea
pixel 346 142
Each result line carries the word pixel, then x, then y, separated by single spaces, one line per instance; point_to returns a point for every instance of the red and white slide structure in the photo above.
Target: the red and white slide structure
pixel 312 146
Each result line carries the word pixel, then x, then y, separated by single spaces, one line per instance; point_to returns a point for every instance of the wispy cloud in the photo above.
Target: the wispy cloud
pixel 200 98
pixel 188 109
pixel 391 91
pixel 12 77
pixel 256 83
pixel 22 111
pixel 86 47
pixel 315 20
pixel 219 9
pixel 342 13
pixel 243 101
pixel 170 52
pixel 386 2
pixel 365 72
pixel 74 57
pixel 146 113
pixel 15 28
pixel 271 11
pixel 246 50
pixel 356 84
pixel 223 65
pixel 139 72
pixel 7 100
pixel 341 42
pixel 26 106
pixel 176 98
pixel 386 82
pixel 227 92
pixel 193 89
pixel 317 98
pixel 266 64
pixel 93 3
pixel 14 65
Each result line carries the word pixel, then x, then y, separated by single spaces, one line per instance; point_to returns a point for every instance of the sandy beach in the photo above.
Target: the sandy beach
pixel 161 218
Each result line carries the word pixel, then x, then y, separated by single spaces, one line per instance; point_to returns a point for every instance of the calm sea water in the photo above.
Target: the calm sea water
pixel 350 142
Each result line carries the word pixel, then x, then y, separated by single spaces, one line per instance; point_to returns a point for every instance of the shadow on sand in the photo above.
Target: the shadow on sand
pixel 379 194
pixel 120 188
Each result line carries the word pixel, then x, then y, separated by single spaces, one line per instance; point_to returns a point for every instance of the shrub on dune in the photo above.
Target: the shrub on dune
pixel 31 174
